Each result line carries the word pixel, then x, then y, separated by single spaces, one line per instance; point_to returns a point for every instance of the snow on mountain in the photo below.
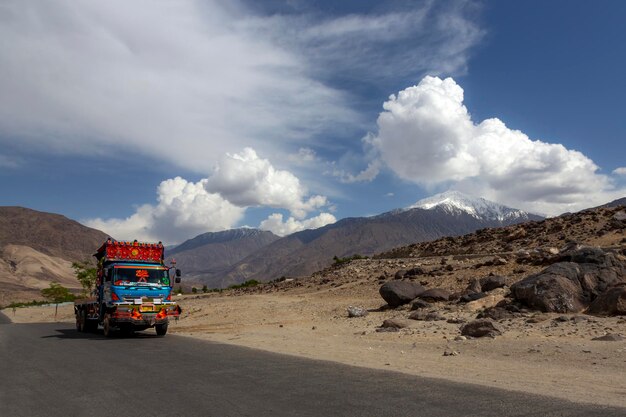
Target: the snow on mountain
pixel 456 202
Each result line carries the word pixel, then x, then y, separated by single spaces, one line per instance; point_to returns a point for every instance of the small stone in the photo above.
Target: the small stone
pixel 460 338
pixel 611 337
pixel 480 328
pixel 356 311
pixel 396 323
pixel 450 353
pixel 386 329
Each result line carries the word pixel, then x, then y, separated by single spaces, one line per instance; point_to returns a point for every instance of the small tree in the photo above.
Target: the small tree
pixel 180 289
pixel 194 290
pixel 56 294
pixel 86 275
pixel 205 289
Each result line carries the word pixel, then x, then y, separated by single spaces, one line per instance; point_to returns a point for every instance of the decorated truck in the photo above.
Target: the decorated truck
pixel 133 290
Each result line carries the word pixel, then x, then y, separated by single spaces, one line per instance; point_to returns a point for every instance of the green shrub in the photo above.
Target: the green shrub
pixel 249 283
pixel 340 261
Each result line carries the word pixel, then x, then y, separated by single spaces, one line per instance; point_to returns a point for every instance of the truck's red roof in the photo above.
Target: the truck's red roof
pixel 113 250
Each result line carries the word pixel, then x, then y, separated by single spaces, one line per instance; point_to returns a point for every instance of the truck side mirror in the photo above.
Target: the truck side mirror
pixel 177 280
pixel 178 272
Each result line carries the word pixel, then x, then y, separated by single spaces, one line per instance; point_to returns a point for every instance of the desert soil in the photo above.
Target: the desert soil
pixel 546 356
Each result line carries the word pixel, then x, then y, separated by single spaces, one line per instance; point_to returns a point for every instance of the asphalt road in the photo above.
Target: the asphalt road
pixel 52 370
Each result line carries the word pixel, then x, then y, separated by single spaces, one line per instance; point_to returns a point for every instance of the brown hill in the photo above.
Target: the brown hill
pixel 37 248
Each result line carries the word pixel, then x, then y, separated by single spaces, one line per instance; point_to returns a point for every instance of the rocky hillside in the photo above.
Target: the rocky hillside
pixel 596 227
pixel 513 277
pixel 308 251
pixel 37 248
pixel 210 254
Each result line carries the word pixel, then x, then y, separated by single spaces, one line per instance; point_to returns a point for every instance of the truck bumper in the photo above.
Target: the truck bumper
pixel 144 319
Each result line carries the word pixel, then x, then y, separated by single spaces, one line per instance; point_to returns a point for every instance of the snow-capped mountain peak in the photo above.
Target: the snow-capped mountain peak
pixel 457 202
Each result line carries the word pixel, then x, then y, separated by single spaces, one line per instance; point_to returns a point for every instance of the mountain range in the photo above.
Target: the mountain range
pixel 37 247
pixel 302 253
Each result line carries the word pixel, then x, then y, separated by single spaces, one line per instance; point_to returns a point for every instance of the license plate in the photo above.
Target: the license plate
pixel 145 307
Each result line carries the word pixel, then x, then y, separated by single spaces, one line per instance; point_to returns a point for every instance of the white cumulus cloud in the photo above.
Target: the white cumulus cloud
pixel 186 209
pixel 275 224
pixel 247 180
pixel 620 171
pixel 426 135
pixel 183 210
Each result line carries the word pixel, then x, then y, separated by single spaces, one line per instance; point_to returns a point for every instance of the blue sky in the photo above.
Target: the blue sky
pixel 165 120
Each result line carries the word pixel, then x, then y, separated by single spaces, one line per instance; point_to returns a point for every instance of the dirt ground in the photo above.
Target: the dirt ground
pixel 546 357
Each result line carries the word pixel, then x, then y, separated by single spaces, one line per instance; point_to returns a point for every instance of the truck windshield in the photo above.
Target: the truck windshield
pixel 128 274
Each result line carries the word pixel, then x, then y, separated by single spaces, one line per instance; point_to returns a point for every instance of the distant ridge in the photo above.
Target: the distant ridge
pixel 209 255
pixel 302 253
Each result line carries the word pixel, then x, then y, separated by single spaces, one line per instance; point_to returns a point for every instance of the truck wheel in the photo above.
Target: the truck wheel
pixel 161 329
pixel 80 321
pixel 106 325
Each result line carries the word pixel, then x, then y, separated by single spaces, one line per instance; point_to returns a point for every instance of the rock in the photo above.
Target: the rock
pixel 610 303
pixel 474 286
pixel 397 293
pixel 460 338
pixel 396 323
pixel 492 282
pixel 493 298
pixel 450 353
pixel 552 250
pixel 456 320
pixel 356 311
pixel 611 337
pixel 420 304
pixel 497 261
pixel 620 216
pixel 400 274
pixel 415 271
pixel 579 319
pixel 387 329
pixel 515 235
pixel 480 328
pixel 426 316
pixel 469 297
pixel 570 285
pixel 562 319
pixel 435 294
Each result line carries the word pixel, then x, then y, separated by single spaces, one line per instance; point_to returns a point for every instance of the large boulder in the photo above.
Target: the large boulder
pixel 610 303
pixel 397 293
pixel 555 289
pixel 571 285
